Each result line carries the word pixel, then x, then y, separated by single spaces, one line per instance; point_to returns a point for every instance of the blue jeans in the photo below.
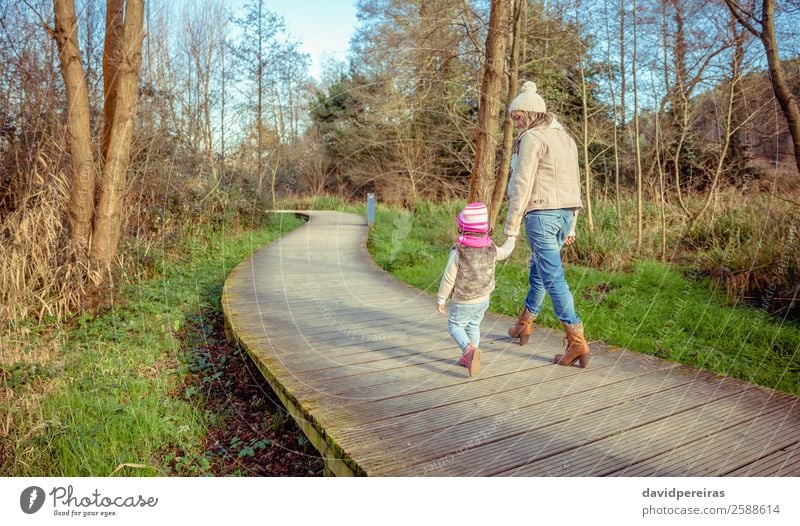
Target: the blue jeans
pixel 547 230
pixel 464 324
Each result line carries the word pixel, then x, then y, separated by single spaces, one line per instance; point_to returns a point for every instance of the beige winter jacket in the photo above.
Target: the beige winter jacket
pixel 544 174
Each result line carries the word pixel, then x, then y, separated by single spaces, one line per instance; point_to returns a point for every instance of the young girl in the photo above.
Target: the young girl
pixel 469 275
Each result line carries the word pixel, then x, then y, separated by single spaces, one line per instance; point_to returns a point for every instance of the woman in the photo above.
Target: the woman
pixel 544 192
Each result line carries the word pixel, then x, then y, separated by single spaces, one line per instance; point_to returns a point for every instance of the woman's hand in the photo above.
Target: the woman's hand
pixel 440 308
pixel 511 242
pixel 571 236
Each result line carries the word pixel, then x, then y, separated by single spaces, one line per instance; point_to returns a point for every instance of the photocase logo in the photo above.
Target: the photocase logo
pixel 31 499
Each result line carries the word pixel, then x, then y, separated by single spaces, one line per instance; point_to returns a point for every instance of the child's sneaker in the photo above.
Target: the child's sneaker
pixel 471 359
pixel 463 360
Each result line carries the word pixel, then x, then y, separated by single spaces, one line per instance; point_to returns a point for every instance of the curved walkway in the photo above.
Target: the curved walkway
pixel 366 367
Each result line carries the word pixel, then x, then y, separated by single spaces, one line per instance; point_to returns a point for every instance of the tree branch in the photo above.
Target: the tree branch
pixel 741 15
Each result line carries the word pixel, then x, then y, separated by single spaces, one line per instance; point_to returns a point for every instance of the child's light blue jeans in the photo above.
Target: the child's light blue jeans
pixel 464 324
pixel 547 230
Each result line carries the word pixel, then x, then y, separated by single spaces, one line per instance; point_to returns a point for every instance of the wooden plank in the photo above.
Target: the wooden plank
pixel 354 343
pixel 552 403
pixel 532 442
pixel 508 415
pixel 533 379
pixel 783 462
pixel 615 454
pixel 729 449
pixel 367 369
pixel 532 374
pixel 496 361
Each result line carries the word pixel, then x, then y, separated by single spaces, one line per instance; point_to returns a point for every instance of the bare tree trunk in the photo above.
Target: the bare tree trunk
pixel 108 217
pixel 290 94
pixel 662 203
pixel 207 136
pixel 88 17
pixel 683 102
pixel 277 111
pixel 259 107
pixel 738 55
pixel 639 197
pixel 779 85
pixel 114 20
pixel 275 158
pixel 587 168
pixel 768 39
pixel 480 183
pixel 222 111
pixel 501 182
pixel 611 82
pixel 79 136
pixel 623 86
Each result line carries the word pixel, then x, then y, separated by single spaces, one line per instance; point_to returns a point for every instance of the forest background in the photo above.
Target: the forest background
pixel 130 128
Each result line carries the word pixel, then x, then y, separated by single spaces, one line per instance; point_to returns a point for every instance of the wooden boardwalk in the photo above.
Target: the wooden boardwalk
pixel 366 367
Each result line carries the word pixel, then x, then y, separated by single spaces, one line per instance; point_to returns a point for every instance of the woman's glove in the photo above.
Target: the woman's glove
pixel 511 242
pixel 571 236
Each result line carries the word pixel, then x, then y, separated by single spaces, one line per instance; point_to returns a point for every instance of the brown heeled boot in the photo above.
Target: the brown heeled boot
pixel 577 349
pixel 523 328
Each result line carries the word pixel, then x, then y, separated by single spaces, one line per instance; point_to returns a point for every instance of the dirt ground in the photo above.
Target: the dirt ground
pixel 252 434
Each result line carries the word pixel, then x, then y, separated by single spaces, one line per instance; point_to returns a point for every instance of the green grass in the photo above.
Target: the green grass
pixel 324 202
pixel 116 403
pixel 749 244
pixel 652 308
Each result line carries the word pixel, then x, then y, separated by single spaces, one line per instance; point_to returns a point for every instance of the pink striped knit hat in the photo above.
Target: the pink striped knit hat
pixel 474 219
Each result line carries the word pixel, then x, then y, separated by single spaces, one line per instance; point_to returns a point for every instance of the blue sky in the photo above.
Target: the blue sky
pixel 324 26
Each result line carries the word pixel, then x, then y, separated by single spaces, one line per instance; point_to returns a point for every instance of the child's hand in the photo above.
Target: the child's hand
pixel 570 239
pixel 440 308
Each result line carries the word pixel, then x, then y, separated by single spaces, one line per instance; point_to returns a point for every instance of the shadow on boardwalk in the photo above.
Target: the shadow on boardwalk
pixel 366 367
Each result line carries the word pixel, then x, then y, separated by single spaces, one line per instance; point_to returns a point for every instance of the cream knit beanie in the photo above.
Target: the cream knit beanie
pixel 528 100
